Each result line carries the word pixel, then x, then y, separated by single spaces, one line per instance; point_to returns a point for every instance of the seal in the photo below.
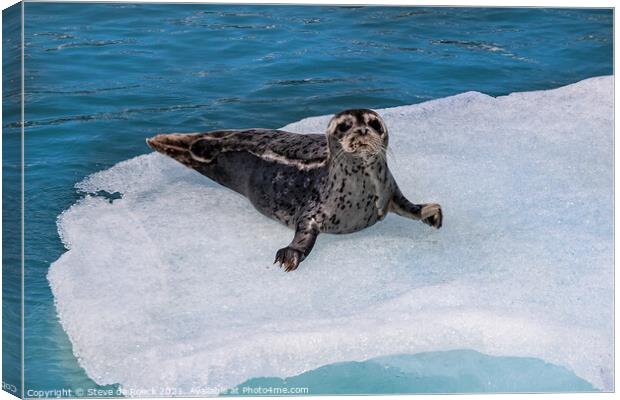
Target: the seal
pixel 338 182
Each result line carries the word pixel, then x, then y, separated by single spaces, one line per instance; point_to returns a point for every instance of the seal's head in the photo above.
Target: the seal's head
pixel 358 132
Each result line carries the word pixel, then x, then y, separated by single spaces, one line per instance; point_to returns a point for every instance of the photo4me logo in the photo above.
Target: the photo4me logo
pixel 273 390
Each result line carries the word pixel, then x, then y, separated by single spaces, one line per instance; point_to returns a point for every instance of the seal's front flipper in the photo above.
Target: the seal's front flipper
pixel 289 257
pixel 430 214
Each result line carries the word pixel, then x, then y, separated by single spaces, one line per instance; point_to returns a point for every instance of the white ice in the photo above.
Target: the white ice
pixel 172 286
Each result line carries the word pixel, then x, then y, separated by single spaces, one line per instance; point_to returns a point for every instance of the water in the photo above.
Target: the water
pixel 456 371
pixel 102 77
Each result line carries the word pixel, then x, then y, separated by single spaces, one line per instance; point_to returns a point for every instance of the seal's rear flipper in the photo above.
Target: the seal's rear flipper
pixel 175 145
pixel 209 154
pixel 205 150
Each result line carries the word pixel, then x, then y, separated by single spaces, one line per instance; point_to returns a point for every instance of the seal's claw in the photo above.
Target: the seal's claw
pixel 288 258
pixel 431 215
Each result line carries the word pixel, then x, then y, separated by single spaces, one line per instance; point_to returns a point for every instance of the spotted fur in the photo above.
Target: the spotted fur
pixel 334 183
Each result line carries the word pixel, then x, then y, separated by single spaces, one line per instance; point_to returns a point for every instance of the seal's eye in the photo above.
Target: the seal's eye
pixel 376 125
pixel 343 127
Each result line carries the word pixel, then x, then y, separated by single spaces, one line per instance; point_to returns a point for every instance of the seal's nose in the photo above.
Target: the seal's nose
pixel 363 131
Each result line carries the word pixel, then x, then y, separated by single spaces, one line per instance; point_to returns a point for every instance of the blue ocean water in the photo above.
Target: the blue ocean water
pixel 102 77
pixel 455 371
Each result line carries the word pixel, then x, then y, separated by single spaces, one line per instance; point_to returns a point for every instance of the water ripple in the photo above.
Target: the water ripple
pixel 83 91
pixel 90 43
pixel 104 115
pixel 470 44
pixel 314 81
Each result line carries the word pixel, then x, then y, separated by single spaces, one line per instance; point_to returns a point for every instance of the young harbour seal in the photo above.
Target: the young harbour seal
pixel 312 183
